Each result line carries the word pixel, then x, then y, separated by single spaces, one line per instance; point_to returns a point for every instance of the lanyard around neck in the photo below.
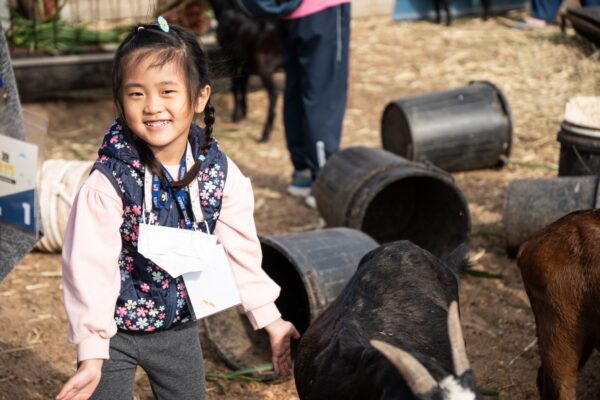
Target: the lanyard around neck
pixel 152 194
pixel 162 198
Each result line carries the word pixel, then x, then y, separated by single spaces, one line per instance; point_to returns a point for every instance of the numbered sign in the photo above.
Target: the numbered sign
pixel 18 164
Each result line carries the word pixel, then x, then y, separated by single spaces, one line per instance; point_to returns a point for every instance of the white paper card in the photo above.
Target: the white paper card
pixel 212 290
pixel 177 251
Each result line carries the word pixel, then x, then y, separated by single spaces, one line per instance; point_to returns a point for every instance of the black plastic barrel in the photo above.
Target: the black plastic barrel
pixel 391 198
pixel 531 204
pixel 311 268
pixel 579 150
pixel 586 22
pixel 461 129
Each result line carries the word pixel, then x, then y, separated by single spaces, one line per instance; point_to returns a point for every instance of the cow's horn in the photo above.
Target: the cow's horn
pixel 414 373
pixel 457 342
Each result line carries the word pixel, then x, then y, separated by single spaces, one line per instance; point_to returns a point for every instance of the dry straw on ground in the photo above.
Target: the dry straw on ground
pixel 538 72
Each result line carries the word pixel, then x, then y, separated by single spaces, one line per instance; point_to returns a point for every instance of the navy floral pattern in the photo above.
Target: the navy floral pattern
pixel 151 299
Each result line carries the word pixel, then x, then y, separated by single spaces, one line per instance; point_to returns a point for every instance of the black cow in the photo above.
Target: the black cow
pixel 251 47
pixel 400 295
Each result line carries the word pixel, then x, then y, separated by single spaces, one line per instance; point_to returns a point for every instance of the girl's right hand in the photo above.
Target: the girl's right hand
pixel 82 385
pixel 280 332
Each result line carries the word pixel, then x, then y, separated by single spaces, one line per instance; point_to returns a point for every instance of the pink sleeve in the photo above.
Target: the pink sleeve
pixel 91 277
pixel 237 232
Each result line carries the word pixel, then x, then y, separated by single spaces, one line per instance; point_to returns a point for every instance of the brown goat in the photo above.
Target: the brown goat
pixel 560 266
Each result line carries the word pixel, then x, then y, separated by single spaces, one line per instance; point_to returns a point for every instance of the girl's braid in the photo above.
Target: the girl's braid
pixel 209 120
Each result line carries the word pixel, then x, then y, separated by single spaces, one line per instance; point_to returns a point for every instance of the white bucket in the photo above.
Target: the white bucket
pixel 58 184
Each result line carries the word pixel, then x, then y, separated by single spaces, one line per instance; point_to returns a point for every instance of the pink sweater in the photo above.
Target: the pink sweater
pixel 309 7
pixel 92 244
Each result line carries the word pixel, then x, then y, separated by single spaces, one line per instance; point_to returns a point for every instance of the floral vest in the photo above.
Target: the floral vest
pixel 150 299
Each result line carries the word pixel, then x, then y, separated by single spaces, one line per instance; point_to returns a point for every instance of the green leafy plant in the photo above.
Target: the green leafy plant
pixel 57 36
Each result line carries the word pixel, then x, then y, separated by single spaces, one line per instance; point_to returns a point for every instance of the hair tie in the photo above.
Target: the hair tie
pixel 140 28
pixel 163 24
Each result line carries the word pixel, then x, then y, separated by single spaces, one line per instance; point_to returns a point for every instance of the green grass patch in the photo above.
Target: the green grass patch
pixel 529 165
pixel 482 274
pixel 490 393
pixel 245 375
pixel 489 231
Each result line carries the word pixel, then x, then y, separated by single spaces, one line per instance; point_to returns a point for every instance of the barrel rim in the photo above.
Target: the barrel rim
pixel 410 153
pixel 354 186
pixel 227 358
pixel 505 108
pixel 583 132
pixel 393 175
pixel 272 241
pixel 510 248
pixel 358 186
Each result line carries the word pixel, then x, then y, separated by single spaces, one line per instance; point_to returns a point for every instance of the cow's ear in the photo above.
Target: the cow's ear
pixel 457 342
pixel 414 373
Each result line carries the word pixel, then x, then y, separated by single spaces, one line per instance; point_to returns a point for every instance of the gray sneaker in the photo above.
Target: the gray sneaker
pixel 301 183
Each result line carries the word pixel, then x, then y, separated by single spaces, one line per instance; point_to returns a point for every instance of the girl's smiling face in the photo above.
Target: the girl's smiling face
pixel 157 107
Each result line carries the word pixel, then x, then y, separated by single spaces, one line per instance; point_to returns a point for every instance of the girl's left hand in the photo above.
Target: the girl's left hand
pixel 280 332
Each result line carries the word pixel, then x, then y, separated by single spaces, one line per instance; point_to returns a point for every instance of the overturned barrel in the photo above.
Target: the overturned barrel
pixel 58 184
pixel 579 150
pixel 461 129
pixel 531 204
pixel 311 268
pixel 391 198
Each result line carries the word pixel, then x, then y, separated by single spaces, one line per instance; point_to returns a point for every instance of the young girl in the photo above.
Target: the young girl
pixel 123 309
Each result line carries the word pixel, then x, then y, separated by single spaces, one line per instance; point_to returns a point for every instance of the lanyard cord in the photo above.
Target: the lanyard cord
pixel 183 196
pixel 163 199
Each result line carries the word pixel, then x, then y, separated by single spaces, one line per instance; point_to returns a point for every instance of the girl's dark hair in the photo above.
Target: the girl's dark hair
pixel 177 45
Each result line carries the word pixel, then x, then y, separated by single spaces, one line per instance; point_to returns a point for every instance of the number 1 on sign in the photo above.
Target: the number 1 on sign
pixel 27 212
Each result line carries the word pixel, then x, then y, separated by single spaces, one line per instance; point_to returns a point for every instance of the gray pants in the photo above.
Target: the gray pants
pixel 172 359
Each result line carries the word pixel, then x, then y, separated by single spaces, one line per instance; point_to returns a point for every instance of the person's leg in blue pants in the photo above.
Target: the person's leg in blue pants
pixel 545 10
pixel 293 109
pixel 587 3
pixel 316 65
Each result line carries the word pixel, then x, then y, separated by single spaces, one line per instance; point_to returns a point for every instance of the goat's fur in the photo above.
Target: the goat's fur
pixel 560 266
pixel 400 295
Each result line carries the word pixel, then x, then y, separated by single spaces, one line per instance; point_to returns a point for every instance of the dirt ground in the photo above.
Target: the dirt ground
pixel 537 71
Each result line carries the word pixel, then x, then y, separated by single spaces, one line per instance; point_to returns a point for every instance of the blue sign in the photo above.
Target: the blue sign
pixel 18 210
pixel 18 166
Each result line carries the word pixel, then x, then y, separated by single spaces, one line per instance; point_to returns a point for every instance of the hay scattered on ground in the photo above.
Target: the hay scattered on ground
pixel 538 71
